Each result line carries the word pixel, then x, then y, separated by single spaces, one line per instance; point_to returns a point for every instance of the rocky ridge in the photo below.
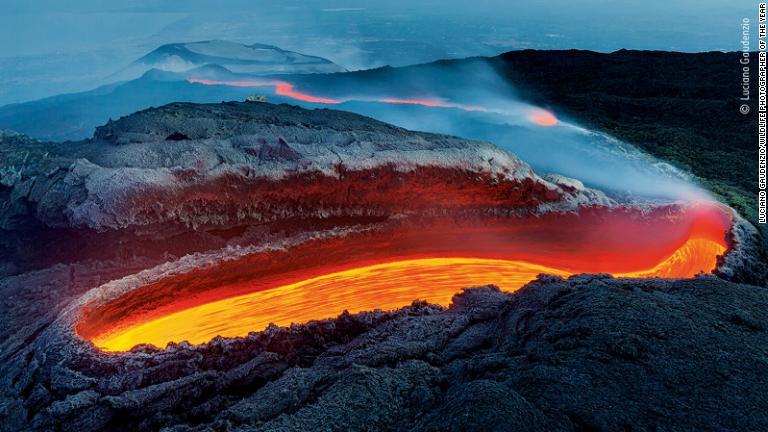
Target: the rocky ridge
pixel 188 169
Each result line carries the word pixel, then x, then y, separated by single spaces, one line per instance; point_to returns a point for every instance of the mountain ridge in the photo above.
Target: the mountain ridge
pixel 253 59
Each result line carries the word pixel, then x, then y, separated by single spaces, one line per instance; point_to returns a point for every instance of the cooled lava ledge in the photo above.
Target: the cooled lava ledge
pixel 236 163
pixel 163 180
pixel 590 353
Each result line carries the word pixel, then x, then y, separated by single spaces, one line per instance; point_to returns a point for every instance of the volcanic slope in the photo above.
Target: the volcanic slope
pixel 191 172
pixel 679 107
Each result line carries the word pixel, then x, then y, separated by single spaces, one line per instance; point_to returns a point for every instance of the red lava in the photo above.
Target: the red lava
pixel 432 103
pixel 539 116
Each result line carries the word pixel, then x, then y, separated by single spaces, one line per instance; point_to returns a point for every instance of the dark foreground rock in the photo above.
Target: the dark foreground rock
pixel 590 353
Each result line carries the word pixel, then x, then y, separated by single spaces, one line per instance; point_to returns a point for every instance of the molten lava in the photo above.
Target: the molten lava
pixel 282 88
pixel 417 102
pixel 432 104
pixel 285 89
pixel 543 118
pixel 539 116
pixel 383 286
pixel 389 269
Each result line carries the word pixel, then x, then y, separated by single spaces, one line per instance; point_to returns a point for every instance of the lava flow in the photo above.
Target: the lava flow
pixel 388 269
pixel 543 118
pixel 281 88
pixel 432 104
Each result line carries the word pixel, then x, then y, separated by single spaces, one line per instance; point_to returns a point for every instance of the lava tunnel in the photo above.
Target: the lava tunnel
pixel 390 266
pixel 360 217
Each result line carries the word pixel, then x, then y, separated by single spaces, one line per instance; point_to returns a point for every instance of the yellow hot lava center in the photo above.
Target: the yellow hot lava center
pixel 383 286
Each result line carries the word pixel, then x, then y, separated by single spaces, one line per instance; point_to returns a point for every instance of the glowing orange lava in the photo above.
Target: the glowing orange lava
pixel 389 268
pixel 432 103
pixel 283 88
pixel 418 102
pixel 539 116
pixel 382 286
pixel 543 118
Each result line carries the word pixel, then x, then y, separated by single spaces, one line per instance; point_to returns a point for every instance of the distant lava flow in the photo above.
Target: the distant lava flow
pixel 543 118
pixel 282 88
pixel 389 267
pixel 432 103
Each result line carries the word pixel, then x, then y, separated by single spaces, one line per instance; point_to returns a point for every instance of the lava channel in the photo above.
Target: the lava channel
pixel 390 267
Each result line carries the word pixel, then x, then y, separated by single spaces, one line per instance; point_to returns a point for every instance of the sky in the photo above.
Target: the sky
pixel 53 46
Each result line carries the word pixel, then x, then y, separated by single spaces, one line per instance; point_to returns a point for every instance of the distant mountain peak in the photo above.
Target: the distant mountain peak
pixel 253 59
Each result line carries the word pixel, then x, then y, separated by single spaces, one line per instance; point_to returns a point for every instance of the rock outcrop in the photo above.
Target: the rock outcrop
pixel 242 164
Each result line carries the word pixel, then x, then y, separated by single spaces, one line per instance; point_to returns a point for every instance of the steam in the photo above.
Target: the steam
pixel 548 143
pixel 469 99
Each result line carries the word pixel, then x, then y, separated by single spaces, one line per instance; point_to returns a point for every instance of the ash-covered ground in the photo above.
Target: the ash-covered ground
pixel 166 186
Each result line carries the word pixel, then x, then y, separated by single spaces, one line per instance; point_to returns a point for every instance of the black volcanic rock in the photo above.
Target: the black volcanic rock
pixel 588 353
pixel 177 136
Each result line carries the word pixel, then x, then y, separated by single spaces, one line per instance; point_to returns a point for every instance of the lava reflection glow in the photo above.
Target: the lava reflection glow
pixel 383 286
